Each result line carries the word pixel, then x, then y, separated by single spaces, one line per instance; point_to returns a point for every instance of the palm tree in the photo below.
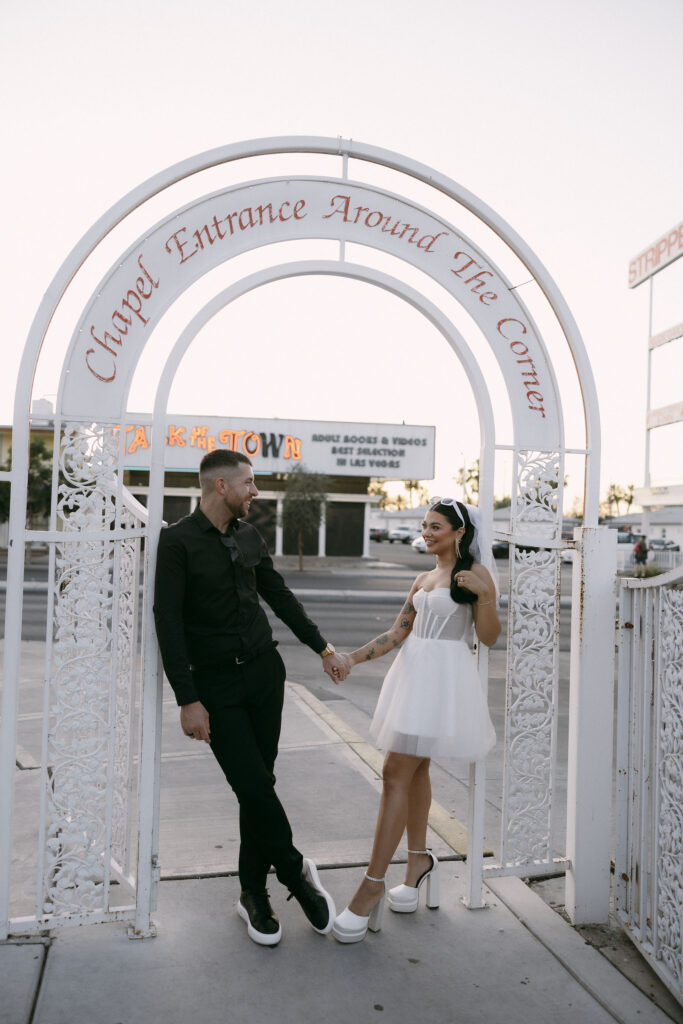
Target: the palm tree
pixel 411 486
pixel 468 479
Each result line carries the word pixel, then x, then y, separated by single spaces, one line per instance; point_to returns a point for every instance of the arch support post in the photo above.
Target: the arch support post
pixel 279 529
pixel 322 531
pixel 591 726
pixel 11 660
pixel 9 715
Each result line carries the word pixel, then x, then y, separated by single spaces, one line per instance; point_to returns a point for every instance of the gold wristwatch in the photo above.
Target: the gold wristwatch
pixel 328 650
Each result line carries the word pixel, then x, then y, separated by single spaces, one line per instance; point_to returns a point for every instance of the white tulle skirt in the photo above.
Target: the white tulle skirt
pixel 432 703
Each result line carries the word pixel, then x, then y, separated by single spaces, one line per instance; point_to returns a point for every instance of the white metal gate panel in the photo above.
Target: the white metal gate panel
pixel 649 821
pixel 530 753
pixel 533 665
pixel 91 722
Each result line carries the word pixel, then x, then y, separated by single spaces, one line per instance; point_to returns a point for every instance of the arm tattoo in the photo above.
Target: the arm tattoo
pixel 405 623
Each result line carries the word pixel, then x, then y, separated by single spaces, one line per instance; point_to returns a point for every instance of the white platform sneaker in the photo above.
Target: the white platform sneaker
pixel 350 927
pixel 403 899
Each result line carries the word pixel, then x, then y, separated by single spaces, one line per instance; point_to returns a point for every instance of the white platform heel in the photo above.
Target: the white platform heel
pixel 403 899
pixel 350 927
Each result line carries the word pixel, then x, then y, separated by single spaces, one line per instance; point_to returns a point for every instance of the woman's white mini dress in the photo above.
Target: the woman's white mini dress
pixel 432 703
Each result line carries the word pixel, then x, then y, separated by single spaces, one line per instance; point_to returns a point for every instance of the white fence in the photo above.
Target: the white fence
pixel 664 559
pixel 649 811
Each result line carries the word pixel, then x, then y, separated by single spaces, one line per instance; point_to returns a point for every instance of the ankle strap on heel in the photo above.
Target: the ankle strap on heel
pixel 371 879
pixel 419 851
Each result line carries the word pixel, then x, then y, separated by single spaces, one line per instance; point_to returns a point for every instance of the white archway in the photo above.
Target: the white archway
pixel 96 530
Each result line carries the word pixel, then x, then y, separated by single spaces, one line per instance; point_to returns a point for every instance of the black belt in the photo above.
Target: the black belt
pixel 236 659
pixel 242 659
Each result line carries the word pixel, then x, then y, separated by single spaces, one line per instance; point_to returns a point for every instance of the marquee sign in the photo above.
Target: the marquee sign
pixel 278 446
pixel 179 250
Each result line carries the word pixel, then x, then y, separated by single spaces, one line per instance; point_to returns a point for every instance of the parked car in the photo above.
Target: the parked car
pixel 661 544
pixel 379 533
pixel 403 533
pixel 499 547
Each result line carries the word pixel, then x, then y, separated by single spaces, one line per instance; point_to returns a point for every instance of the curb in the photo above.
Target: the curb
pixel 446 826
pixel 307 594
pixel 602 980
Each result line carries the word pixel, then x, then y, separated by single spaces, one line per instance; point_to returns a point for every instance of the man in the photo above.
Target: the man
pixel 640 553
pixel 228 677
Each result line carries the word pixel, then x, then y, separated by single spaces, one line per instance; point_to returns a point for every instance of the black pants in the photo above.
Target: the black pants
pixel 245 711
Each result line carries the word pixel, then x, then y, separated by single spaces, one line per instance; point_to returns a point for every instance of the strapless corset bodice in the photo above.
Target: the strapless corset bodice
pixel 439 617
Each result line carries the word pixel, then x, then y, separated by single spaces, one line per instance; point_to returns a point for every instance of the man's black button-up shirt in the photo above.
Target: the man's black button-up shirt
pixel 206 604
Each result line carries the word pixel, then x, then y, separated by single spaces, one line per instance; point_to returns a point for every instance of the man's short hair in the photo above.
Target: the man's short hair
pixel 218 460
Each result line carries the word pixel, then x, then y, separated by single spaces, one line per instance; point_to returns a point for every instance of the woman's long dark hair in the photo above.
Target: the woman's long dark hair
pixel 464 560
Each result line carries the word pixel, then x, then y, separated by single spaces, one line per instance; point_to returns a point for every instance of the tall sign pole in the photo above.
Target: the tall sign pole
pixel 643 267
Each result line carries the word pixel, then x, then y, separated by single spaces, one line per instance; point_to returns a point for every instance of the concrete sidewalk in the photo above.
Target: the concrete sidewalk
pixel 516 960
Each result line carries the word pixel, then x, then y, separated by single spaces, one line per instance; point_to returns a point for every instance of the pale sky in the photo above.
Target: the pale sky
pixel 565 118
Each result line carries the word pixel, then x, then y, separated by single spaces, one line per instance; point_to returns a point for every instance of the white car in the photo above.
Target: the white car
pixel 419 545
pixel 404 534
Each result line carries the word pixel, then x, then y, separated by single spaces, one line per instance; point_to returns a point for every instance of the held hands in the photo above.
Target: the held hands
pixel 349 663
pixel 194 721
pixel 337 667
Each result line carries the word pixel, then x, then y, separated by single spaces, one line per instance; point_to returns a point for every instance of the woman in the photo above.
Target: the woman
pixel 431 704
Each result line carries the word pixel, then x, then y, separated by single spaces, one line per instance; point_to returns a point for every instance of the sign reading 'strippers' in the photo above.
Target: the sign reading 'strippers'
pixel 657 256
pixel 278 446
pixel 145 282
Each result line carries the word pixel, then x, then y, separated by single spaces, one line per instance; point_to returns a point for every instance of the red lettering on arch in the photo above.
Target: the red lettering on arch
pixel 105 380
pixel 342 208
pixel 509 320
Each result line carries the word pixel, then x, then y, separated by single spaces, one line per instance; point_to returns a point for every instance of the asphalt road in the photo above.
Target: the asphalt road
pixel 346 621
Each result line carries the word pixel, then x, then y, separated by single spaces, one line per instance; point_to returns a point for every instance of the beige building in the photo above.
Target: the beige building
pixel 349 455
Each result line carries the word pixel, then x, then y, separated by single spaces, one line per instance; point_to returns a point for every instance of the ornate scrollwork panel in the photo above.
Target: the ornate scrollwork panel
pixel 532 662
pixel 669 823
pixel 124 777
pixel 537 508
pixel 90 683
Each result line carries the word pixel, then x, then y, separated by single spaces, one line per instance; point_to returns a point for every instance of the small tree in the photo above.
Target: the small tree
pixel 302 506
pixel 39 492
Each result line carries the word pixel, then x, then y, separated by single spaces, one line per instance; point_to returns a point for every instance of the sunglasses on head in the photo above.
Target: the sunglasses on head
pixel 433 502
